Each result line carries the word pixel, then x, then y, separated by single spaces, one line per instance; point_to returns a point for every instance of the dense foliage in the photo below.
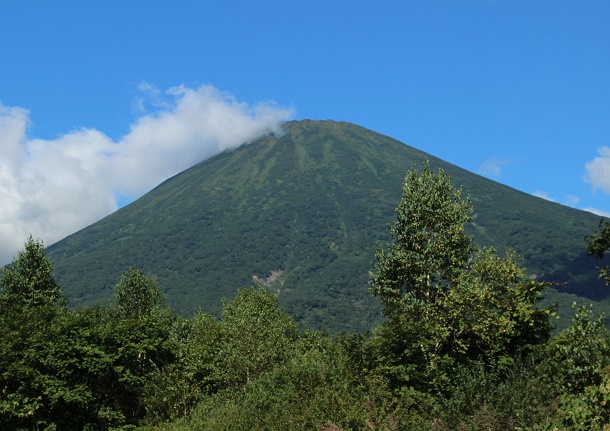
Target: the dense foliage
pixel 465 345
pixel 449 304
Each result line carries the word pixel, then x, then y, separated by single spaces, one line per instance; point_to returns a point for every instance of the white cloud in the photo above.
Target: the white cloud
pixel 543 195
pixel 492 167
pixel 598 170
pixel 597 212
pixel 51 188
pixel 571 200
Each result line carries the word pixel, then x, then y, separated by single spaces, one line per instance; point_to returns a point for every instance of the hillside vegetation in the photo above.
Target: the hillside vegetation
pixel 302 213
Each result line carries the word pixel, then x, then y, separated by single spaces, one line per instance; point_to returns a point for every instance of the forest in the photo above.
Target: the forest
pixel 464 344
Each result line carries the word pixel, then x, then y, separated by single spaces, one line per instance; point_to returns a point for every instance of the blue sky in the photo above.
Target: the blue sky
pixel 92 93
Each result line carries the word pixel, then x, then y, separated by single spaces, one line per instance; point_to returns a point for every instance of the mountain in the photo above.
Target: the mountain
pixel 302 213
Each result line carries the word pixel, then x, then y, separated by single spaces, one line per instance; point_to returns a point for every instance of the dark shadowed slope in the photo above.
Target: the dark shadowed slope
pixel 302 214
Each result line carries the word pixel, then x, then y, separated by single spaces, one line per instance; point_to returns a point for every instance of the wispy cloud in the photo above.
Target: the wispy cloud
pixel 598 212
pixel 492 167
pixel 543 195
pixel 571 200
pixel 598 170
pixel 51 188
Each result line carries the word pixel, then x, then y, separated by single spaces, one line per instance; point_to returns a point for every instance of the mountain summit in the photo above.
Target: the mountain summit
pixel 301 213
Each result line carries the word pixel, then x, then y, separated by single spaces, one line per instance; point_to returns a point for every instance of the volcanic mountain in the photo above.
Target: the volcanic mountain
pixel 301 214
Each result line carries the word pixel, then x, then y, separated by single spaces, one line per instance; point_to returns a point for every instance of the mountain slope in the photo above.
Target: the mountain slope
pixel 302 214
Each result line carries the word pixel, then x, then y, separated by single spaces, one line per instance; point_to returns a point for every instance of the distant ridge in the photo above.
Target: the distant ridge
pixel 301 214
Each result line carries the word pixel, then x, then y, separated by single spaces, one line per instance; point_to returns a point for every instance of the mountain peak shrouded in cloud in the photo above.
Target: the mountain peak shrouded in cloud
pixel 51 188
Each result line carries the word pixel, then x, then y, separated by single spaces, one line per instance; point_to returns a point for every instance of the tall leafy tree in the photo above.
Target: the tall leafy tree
pixel 446 301
pixel 431 245
pixel 136 337
pixel 257 335
pixel 29 280
pixel 30 303
pixel 137 295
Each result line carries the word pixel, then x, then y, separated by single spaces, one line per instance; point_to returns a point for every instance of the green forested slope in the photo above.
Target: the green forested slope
pixel 302 213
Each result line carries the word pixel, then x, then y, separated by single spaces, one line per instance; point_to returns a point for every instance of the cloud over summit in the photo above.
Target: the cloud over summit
pixel 51 188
